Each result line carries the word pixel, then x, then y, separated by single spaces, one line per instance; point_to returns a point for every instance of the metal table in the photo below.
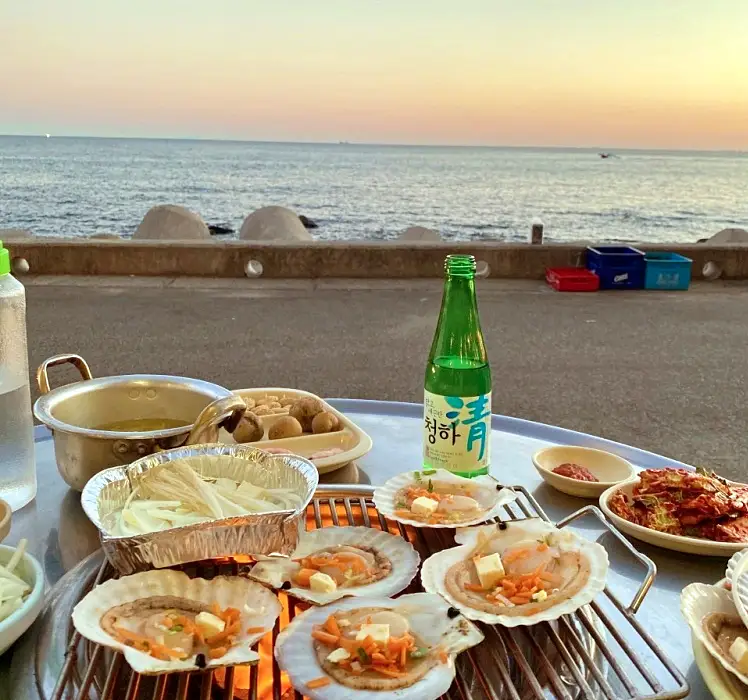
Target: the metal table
pixel 60 535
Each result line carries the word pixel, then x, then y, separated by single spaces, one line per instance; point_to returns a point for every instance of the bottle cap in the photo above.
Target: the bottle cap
pixel 4 260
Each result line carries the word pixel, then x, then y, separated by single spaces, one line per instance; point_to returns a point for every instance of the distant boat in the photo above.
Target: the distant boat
pixel 605 155
pixel 47 135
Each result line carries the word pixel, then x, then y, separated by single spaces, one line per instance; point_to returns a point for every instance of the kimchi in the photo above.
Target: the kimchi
pixel 679 502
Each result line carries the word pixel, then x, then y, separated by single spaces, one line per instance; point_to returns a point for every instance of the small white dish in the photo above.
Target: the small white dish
pixel 30 570
pixel 609 469
pixel 675 543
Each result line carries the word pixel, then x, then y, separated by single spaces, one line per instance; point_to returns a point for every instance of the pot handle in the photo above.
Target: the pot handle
pixel 221 413
pixel 42 379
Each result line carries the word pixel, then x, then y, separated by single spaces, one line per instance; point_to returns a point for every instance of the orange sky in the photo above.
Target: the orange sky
pixel 638 73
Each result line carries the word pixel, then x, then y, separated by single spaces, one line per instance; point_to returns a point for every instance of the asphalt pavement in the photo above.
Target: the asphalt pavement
pixel 666 372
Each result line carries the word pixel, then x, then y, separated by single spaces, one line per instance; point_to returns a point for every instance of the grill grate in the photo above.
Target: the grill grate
pixel 598 652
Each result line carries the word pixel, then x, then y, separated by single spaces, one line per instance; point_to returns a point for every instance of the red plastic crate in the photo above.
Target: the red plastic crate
pixel 572 279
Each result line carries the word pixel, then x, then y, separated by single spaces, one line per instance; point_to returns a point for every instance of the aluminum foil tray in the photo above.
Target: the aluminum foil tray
pixel 268 533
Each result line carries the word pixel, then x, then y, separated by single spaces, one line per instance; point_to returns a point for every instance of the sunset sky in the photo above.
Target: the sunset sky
pixel 610 73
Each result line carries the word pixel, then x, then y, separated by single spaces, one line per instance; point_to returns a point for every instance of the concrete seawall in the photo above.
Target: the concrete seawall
pixel 322 259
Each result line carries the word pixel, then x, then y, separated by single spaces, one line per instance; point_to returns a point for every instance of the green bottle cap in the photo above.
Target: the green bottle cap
pixel 4 260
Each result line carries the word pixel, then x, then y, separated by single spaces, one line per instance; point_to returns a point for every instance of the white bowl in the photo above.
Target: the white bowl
pixel 610 469
pixel 29 569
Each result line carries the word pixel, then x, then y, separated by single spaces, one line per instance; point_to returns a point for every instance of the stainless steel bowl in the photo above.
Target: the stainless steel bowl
pixel 74 411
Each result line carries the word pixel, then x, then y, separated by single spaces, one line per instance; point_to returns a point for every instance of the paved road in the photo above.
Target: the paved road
pixel 663 371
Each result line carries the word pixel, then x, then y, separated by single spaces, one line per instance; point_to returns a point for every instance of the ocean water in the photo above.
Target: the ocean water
pixel 81 186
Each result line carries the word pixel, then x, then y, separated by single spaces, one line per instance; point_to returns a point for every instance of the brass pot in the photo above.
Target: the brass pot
pixel 74 411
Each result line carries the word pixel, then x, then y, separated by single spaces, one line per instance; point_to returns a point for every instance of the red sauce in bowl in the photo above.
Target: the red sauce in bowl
pixel 574 471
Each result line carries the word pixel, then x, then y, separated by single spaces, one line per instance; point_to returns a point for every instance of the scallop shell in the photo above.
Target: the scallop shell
pixel 738 577
pixel 732 564
pixel 436 566
pixel 275 571
pixel 489 494
pixel 698 600
pixel 226 591
pixel 428 619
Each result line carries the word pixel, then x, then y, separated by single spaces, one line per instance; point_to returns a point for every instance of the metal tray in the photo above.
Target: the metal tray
pixel 599 652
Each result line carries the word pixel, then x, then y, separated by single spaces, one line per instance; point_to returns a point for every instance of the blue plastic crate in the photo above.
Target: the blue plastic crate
pixel 618 267
pixel 667 271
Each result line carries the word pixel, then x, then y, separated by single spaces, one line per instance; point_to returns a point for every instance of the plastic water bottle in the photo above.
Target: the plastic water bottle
pixel 17 466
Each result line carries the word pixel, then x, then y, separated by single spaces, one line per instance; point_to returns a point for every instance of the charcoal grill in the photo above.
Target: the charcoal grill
pixel 601 651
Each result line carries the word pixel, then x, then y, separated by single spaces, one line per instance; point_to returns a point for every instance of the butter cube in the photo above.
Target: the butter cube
pixel 209 624
pixel 539 596
pixel 379 633
pixel 423 506
pixel 739 653
pixel 335 657
pixel 490 570
pixel 322 583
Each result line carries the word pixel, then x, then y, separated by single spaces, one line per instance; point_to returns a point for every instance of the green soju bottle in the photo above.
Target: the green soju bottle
pixel 457 399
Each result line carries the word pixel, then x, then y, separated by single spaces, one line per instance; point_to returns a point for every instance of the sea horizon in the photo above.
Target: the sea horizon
pixel 77 186
pixel 373 144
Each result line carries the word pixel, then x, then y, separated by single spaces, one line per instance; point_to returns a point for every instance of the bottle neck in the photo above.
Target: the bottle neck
pixel 458 332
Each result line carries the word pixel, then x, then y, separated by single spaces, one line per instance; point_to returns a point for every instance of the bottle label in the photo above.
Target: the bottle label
pixel 457 432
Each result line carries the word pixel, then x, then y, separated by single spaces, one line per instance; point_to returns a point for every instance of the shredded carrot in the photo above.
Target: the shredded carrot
pixel 230 615
pixel 350 645
pixel 387 671
pixel 542 547
pixel 325 637
pixel 255 630
pixel 228 632
pixel 474 588
pixel 217 652
pixel 215 609
pixel 403 656
pixel 320 682
pixel 443 657
pixel 519 600
pixel 304 575
pixel 331 625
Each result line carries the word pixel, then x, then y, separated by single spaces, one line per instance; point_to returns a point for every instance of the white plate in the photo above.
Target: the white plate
pixel 610 469
pixel 354 442
pixel 676 543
